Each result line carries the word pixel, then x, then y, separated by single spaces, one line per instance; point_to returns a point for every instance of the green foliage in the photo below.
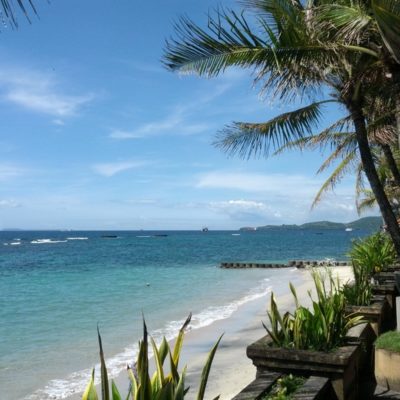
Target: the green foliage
pixel 358 293
pixel 322 327
pixel 162 385
pixel 389 341
pixel 368 255
pixel 285 387
pixel 373 253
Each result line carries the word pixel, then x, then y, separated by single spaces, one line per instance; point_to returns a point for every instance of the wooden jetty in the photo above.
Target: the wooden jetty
pixel 290 264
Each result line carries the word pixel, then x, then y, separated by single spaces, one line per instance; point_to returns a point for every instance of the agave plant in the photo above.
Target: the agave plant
pixel 322 327
pixel 162 385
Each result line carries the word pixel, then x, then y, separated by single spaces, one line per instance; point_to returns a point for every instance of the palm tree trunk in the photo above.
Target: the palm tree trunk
pixel 372 175
pixel 391 163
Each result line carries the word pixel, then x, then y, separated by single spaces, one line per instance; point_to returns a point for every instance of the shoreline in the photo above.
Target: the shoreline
pixel 231 370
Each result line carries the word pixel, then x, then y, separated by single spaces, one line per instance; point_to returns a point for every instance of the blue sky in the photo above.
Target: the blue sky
pixel 96 134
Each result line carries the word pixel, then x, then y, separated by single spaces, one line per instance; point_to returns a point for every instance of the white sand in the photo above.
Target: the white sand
pixel 232 370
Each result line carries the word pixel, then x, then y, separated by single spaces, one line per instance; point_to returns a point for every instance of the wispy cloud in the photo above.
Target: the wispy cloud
pixel 9 203
pixel 39 92
pixel 9 171
pixel 259 183
pixel 113 168
pixel 181 120
pixel 245 209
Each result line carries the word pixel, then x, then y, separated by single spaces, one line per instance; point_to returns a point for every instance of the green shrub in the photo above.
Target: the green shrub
pixel 373 253
pixel 162 385
pixel 359 292
pixel 389 341
pixel 368 255
pixel 322 327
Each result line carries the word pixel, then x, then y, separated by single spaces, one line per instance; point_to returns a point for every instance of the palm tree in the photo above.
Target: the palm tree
pixel 289 59
pixel 382 135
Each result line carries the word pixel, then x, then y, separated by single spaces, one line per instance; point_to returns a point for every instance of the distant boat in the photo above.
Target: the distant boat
pixel 161 235
pixel 205 229
pixel 349 229
pixel 109 236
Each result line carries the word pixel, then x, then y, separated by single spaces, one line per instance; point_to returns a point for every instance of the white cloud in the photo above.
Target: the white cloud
pixel 284 184
pixel 111 169
pixel 179 121
pixel 245 209
pixel 58 122
pixel 175 123
pixel 8 172
pixel 39 92
pixel 9 203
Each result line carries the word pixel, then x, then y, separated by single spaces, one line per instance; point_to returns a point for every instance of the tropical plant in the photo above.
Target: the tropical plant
pixel 323 326
pixel 368 255
pixel 162 385
pixel 358 292
pixel 291 58
pixel 373 253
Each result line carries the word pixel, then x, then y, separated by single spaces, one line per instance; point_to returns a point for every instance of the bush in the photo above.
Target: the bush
pixel 373 253
pixel 389 341
pixel 368 255
pixel 323 327
pixel 161 386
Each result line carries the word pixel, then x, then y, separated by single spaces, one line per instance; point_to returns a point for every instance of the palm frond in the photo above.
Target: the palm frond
pixel 367 202
pixel 8 10
pixel 387 16
pixel 247 139
pixel 282 62
pixel 347 24
pixel 342 150
pixel 335 177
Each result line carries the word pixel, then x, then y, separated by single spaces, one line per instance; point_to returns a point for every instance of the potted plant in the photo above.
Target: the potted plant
pixel 387 360
pixel 312 341
pixel 275 386
pixel 368 256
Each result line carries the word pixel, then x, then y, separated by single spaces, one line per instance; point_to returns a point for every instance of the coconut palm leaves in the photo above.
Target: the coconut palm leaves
pixel 387 16
pixel 290 57
pixel 8 10
pixel 162 385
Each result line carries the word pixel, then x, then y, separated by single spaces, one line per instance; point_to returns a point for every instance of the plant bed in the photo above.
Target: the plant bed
pixel 365 336
pixel 387 361
pixel 389 290
pixel 272 385
pixel 384 277
pixel 378 313
pixel 340 366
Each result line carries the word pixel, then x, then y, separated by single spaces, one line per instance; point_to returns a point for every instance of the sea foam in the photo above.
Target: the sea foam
pixel 76 382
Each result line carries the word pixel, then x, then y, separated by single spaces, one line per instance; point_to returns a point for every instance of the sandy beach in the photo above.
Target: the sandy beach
pixel 232 370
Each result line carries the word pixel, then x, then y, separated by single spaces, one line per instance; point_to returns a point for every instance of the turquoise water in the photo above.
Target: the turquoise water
pixel 55 287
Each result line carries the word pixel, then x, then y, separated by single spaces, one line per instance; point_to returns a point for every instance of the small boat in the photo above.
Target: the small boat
pixel 349 229
pixel 109 236
pixel 161 235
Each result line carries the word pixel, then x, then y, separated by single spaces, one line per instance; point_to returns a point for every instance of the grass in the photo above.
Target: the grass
pixel 285 388
pixel 389 341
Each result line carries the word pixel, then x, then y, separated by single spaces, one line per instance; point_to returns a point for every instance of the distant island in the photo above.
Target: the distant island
pixel 366 223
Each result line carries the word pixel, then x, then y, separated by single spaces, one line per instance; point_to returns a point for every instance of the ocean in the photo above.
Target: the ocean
pixel 56 287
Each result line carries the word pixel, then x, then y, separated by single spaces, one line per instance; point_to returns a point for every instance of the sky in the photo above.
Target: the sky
pixel 97 134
